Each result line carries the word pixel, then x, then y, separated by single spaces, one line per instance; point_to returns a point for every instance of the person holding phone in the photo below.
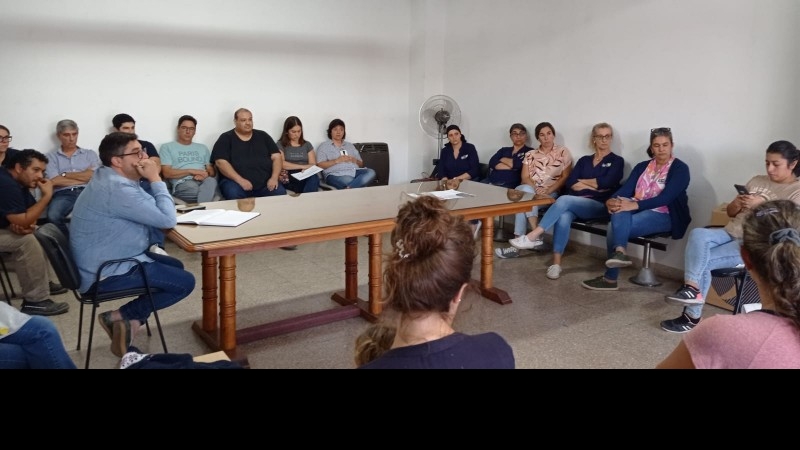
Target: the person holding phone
pixel 715 248
pixel 342 166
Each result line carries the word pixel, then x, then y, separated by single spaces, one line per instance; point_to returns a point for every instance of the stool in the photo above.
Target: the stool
pixel 739 275
pixel 646 277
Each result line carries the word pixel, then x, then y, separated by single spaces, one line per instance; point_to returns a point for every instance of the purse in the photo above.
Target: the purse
pixel 283 177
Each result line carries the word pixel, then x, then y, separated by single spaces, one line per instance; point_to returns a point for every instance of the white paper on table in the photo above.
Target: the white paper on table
pixel 445 195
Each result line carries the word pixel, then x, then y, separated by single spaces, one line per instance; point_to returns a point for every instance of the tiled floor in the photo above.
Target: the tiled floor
pixel 550 324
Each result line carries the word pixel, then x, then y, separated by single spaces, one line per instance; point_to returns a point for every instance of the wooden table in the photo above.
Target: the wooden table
pixel 322 216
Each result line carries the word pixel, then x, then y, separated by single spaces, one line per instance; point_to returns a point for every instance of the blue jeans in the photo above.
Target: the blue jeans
pixel 310 184
pixel 232 191
pixel 156 234
pixel 37 345
pixel 565 210
pixel 363 178
pixel 165 274
pixel 60 206
pixel 708 249
pixel 627 224
pixel 521 219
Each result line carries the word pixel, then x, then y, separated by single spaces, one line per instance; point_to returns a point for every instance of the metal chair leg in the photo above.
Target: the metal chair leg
pixel 646 276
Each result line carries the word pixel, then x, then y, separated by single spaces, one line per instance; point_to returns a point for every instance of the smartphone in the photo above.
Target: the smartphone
pixel 187 208
pixel 741 189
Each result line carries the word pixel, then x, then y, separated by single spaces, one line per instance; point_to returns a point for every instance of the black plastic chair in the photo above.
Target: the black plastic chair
pixel 56 247
pixel 8 280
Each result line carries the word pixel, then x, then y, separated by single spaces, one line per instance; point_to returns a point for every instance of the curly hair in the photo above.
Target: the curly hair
pixel 433 252
pixel 772 243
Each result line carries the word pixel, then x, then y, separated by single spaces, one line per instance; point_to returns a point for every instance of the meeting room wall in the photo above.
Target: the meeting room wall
pixel 721 73
pixel 88 60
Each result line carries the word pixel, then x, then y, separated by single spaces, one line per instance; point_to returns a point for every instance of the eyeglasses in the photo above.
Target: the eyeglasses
pixel 187 128
pixel 519 133
pixel 6 138
pixel 604 137
pixel 662 130
pixel 138 154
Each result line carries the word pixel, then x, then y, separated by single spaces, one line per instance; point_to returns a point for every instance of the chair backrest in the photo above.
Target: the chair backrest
pixel 56 247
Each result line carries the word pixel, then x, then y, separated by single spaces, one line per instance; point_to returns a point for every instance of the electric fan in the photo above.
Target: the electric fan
pixel 435 115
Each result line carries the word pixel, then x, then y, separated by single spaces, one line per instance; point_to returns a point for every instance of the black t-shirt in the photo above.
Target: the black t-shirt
pixel 16 199
pixel 149 148
pixel 9 157
pixel 251 159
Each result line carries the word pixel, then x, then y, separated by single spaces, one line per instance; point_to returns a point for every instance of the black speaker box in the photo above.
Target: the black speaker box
pixel 376 156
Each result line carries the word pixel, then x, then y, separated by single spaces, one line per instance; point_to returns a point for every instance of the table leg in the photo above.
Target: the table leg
pixel 350 295
pixel 487 267
pixel 209 293
pixel 227 302
pixel 375 275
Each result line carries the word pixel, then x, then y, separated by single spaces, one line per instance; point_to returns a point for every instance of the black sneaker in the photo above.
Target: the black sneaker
pixel 44 308
pixel 57 289
pixel 682 324
pixel 686 295
pixel 617 260
pixel 505 253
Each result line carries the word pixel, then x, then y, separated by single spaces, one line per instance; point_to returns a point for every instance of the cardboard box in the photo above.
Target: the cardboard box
pixel 719 216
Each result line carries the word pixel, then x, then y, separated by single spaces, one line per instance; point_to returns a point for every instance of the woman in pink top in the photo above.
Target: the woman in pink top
pixel 544 171
pixel 766 339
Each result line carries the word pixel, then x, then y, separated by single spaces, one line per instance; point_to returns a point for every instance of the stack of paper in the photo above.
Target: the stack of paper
pixel 302 175
pixel 445 195
pixel 217 217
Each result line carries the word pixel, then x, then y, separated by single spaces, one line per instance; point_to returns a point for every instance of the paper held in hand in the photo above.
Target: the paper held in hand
pixel 217 217
pixel 302 175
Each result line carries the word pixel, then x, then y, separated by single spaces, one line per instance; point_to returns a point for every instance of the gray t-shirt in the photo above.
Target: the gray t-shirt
pixel 328 151
pixel 297 155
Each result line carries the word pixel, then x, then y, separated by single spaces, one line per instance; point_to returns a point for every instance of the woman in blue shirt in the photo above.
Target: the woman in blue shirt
pixel 459 159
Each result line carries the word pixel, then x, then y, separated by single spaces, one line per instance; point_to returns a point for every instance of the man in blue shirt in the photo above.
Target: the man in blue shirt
pixel 70 167
pixel 19 212
pixel 112 219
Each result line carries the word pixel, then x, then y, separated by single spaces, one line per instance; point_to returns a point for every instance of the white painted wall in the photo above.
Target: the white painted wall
pixel 89 60
pixel 721 73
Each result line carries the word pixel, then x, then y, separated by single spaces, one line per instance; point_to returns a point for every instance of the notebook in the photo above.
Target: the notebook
pixel 217 217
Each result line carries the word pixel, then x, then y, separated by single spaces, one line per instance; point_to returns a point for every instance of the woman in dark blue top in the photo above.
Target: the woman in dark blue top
pixel 592 181
pixel 652 200
pixel 459 159
pixel 426 275
pixel 505 167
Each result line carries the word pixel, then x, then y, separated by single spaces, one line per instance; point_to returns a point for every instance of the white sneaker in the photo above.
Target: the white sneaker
pixel 554 271
pixel 523 243
pixel 158 250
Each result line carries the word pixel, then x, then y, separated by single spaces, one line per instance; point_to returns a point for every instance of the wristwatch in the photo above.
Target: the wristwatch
pixel 63 174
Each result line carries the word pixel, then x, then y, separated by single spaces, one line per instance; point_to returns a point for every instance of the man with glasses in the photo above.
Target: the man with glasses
pixel 111 220
pixel 248 160
pixel 187 165
pixel 19 212
pixel 70 168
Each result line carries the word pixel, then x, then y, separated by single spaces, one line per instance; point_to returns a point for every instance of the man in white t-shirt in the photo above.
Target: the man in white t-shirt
pixel 186 165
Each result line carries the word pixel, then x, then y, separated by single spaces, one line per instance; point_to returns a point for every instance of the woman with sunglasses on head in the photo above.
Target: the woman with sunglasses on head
pixel 6 153
pixel 766 339
pixel 716 248
pixel 592 181
pixel 652 200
